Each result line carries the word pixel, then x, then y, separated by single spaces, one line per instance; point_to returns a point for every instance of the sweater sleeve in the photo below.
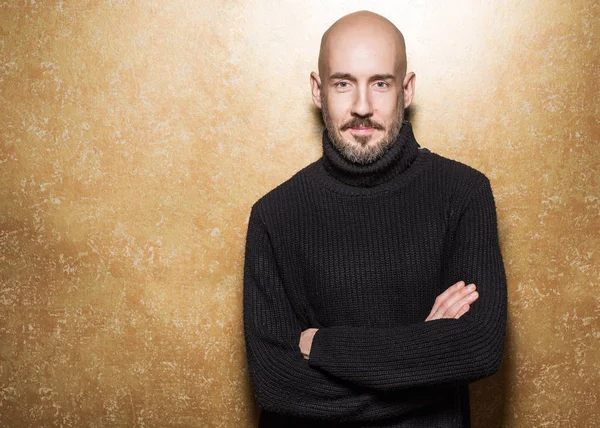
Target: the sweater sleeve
pixel 282 379
pixel 444 350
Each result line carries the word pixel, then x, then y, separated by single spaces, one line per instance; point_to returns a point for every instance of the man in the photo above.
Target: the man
pixel 360 306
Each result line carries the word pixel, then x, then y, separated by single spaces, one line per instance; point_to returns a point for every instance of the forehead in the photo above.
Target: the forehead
pixel 362 54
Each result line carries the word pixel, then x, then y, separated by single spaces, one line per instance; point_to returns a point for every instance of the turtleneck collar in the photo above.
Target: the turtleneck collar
pixel 396 160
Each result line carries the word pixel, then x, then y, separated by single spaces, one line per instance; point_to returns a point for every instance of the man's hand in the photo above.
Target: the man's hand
pixel 306 339
pixel 454 302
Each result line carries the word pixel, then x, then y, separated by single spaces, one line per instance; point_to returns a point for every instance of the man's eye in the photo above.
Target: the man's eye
pixel 341 84
pixel 382 84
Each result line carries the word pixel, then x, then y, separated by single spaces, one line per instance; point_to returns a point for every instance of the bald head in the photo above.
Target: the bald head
pixel 362 87
pixel 362 28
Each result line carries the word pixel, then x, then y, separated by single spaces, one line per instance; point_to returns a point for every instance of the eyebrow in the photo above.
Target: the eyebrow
pixel 383 77
pixel 348 76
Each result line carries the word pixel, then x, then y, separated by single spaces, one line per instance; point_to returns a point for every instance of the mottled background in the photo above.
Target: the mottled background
pixel 135 137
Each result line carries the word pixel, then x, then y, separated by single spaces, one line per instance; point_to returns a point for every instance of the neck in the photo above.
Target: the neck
pixel 396 160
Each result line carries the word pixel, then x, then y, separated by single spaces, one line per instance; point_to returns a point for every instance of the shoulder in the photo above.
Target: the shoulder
pixel 457 173
pixel 456 178
pixel 458 182
pixel 285 196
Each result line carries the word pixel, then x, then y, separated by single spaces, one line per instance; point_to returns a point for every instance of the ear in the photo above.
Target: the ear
pixel 409 88
pixel 315 86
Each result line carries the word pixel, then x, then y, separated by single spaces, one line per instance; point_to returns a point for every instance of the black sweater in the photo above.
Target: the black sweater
pixel 361 253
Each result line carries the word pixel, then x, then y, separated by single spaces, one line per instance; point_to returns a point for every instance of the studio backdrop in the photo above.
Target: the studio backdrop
pixel 136 135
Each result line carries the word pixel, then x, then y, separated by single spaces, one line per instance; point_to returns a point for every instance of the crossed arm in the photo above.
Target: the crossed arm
pixel 282 380
pixel 361 373
pixel 454 302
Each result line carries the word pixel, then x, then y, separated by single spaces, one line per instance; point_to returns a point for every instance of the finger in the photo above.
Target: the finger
pixel 452 299
pixel 465 308
pixel 448 292
pixel 456 311
pixel 466 300
pixel 450 306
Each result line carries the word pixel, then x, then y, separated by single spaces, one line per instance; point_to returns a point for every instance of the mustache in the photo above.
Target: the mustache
pixel 365 122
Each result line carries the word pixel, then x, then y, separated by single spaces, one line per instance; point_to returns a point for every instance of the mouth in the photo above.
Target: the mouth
pixel 362 130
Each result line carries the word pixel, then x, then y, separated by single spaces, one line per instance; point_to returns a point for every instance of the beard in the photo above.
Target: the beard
pixel 363 153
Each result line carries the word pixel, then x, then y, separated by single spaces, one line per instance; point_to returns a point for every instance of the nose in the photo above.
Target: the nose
pixel 362 103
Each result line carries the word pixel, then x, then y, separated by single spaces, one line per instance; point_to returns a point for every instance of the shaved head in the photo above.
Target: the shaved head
pixel 362 87
pixel 360 26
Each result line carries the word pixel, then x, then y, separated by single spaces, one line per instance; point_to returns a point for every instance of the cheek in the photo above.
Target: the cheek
pixel 339 107
pixel 386 108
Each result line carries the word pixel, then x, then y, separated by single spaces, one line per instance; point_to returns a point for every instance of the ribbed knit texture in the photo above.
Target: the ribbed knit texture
pixel 361 253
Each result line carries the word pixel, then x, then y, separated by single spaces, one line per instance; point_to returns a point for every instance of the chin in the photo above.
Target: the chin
pixel 373 140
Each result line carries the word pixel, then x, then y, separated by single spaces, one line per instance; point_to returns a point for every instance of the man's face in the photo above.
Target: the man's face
pixel 361 145
pixel 362 97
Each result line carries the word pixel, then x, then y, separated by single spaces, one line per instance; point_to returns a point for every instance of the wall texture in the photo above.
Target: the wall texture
pixel 135 136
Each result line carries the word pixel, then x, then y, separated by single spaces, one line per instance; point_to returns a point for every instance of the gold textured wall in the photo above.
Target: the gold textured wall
pixel 135 137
